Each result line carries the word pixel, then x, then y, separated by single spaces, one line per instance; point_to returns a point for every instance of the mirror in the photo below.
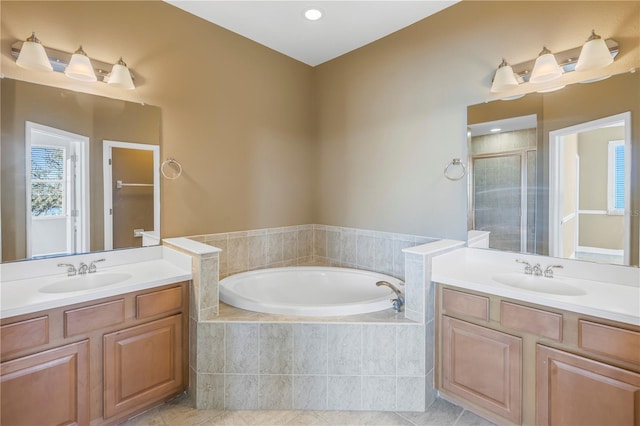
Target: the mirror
pixel 543 176
pixel 53 168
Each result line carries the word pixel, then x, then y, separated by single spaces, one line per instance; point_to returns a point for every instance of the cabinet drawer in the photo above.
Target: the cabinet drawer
pixel 531 320
pixel 158 302
pixel 24 334
pixel 94 317
pixel 458 302
pixel 611 341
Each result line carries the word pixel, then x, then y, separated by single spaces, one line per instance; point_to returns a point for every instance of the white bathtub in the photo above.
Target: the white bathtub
pixel 309 291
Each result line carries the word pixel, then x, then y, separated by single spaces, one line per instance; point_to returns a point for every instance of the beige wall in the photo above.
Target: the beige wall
pixel 593 147
pixel 236 115
pixel 360 141
pixel 602 230
pixel 392 114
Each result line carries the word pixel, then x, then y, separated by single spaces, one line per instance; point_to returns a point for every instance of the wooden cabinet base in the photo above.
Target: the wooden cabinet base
pixel 142 365
pixel 48 388
pixel 573 390
pixel 483 366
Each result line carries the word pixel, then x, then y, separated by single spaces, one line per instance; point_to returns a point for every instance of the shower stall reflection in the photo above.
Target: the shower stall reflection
pixel 503 183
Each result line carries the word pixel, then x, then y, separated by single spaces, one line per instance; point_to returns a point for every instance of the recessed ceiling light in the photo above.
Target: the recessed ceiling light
pixel 495 129
pixel 313 14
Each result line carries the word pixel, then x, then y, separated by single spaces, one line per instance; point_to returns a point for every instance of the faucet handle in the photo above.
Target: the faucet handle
pixel 83 268
pixel 92 265
pixel 548 272
pixel 537 270
pixel 71 269
pixel 528 269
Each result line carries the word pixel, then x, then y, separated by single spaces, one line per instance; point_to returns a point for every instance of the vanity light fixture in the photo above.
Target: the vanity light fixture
pixel 77 65
pixel 546 67
pixel 120 76
pixel 80 67
pixel 33 55
pixel 594 54
pixel 504 79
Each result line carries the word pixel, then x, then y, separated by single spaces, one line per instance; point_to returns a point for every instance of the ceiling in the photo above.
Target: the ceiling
pixel 281 25
pixel 501 126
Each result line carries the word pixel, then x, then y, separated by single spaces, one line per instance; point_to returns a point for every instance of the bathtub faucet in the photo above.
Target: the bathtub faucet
pixel 397 302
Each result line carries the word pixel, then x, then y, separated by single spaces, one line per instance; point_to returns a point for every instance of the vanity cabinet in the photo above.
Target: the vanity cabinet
pixel 515 362
pixel 142 364
pixel 97 362
pixel 483 366
pixel 574 390
pixel 49 387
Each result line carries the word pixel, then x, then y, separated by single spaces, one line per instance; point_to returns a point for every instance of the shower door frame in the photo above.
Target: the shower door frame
pixel 524 210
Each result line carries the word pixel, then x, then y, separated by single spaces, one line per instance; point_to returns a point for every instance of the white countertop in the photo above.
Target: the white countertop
pixel 612 292
pixel 148 267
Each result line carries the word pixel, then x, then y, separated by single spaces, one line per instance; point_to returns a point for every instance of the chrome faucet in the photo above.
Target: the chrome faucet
pixel 83 268
pixel 398 302
pixel 71 270
pixel 548 272
pixel 92 266
pixel 537 270
pixel 528 269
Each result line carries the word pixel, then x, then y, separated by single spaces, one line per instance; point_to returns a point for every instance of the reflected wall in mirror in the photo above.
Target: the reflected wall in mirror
pixel 52 167
pixel 548 182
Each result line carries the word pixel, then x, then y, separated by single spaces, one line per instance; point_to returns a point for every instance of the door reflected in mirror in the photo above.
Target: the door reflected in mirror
pixel 57 191
pixel 47 208
pixel 131 193
pixel 589 190
pixel 558 175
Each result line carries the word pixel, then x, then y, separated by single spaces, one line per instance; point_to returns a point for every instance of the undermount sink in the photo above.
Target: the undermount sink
pixel 85 282
pixel 559 286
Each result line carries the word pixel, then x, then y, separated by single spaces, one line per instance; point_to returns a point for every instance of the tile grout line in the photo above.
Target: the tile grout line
pixel 396 369
pixel 326 402
pixel 259 364
pixel 224 366
pixel 459 417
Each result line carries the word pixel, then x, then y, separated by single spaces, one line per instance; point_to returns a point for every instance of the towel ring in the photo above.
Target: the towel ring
pixel 172 163
pixel 450 171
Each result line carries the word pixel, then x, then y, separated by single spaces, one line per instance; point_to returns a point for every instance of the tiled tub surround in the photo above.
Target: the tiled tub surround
pixel 310 366
pixel 312 244
pixel 381 361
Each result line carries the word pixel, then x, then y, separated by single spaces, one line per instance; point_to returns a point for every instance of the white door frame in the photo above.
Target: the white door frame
pixel 82 183
pixel 108 193
pixel 555 191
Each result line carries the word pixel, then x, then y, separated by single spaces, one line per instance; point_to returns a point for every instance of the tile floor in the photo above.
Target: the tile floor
pixel 178 413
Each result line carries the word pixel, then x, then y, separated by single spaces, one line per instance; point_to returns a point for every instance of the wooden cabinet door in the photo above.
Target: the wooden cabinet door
pixel 573 390
pixel 142 365
pixel 483 366
pixel 47 388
